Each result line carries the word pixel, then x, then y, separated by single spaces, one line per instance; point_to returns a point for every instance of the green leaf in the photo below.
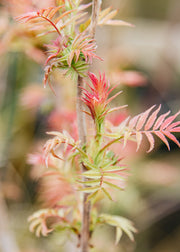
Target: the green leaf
pixel 90 182
pixel 113 176
pixel 110 154
pixel 89 189
pixel 113 168
pixel 112 185
pixel 92 174
pixel 108 164
pixel 90 165
pixel 113 135
pixel 84 26
pixel 92 196
pixel 106 193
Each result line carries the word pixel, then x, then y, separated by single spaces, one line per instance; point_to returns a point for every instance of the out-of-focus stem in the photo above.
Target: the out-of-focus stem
pixel 7 240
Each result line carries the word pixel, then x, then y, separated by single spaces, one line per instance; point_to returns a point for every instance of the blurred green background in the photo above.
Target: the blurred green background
pixel 146 61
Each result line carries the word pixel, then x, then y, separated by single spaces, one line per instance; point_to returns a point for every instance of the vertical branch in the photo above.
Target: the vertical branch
pixel 95 13
pixel 81 120
pixel 85 232
pixel 82 137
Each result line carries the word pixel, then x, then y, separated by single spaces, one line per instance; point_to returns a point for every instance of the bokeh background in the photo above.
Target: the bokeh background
pixel 145 61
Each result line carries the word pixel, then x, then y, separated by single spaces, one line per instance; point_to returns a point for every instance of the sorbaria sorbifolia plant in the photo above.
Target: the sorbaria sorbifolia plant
pixel 86 171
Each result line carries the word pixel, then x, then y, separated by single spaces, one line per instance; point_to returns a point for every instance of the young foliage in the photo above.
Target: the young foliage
pixel 59 139
pixel 106 15
pixel 149 124
pixel 44 19
pixel 38 220
pixel 105 18
pixel 71 51
pixel 97 98
pixel 103 175
pixel 121 224
pixel 48 220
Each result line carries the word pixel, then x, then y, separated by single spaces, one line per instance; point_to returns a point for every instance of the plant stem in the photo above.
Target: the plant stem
pixel 95 12
pixel 81 120
pixel 85 232
pixel 82 137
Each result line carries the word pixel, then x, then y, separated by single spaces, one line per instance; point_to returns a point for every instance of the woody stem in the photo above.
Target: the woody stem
pixel 85 232
pixel 82 137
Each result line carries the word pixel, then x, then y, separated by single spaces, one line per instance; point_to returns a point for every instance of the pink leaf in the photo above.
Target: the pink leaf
pixel 177 129
pixel 138 139
pixel 114 96
pixel 162 137
pixel 62 16
pixel 169 120
pixel 53 11
pixel 160 120
pixel 116 108
pixel 84 6
pixel 173 125
pixel 126 136
pixel 122 125
pixel 152 118
pixel 143 118
pixel 151 140
pixel 26 16
pixel 47 11
pixel 77 53
pixel 172 137
pixel 133 122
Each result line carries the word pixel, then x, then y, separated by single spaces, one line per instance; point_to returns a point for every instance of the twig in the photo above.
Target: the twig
pixel 95 13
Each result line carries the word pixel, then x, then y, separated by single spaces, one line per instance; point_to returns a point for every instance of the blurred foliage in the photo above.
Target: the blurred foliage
pixel 27 111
